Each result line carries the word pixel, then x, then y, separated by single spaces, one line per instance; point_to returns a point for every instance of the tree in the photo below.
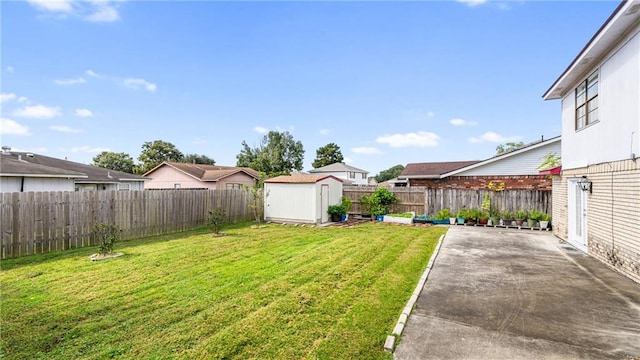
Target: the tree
pixel 510 146
pixel 277 154
pixel 390 173
pixel 114 161
pixel 198 159
pixel 155 152
pixel 327 155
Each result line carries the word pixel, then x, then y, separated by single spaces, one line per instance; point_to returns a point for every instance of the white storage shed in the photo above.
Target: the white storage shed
pixel 301 198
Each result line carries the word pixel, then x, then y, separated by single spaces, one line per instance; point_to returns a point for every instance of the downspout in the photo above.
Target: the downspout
pixel 22 184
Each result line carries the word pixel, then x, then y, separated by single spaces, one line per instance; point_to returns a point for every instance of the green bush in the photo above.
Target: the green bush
pixel 380 201
pixel 444 214
pixel 106 236
pixel 346 203
pixel 216 220
pixel 535 215
pixel 336 210
pixel 521 215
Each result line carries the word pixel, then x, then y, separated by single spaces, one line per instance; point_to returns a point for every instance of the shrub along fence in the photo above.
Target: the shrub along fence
pixel 430 201
pixel 40 222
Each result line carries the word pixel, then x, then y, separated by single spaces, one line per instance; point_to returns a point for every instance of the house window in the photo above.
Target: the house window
pixel 352 175
pixel 232 186
pixel 364 176
pixel 176 186
pixel 124 186
pixel 587 101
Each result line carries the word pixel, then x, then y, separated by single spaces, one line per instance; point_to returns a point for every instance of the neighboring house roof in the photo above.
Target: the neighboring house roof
pixel 433 170
pixel 208 173
pixel 338 167
pixel 93 174
pixel 504 155
pixel 300 179
pixel 627 14
pixel 14 167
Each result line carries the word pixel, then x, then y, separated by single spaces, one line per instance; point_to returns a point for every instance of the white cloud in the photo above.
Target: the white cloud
pixel 462 122
pixel 4 97
pixel 104 13
pixel 79 80
pixel 88 149
pixel 347 160
pixel 84 113
pixel 56 6
pixel 419 139
pixel 139 84
pixel 431 114
pixel 93 74
pixel 23 99
pixel 260 130
pixel 472 3
pixel 38 112
pixel 493 138
pixel 366 150
pixel 10 69
pixel 10 127
pixel 65 129
pixel 324 132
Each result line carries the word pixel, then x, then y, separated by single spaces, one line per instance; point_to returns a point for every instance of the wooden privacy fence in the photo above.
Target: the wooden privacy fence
pixel 40 222
pixel 430 201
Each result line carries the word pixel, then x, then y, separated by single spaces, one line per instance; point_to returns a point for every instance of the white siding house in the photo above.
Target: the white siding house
pixel 301 198
pixel 17 175
pixel 352 175
pixel 597 196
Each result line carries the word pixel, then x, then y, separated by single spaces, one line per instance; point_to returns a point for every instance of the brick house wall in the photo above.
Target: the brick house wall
pixel 613 213
pixel 511 182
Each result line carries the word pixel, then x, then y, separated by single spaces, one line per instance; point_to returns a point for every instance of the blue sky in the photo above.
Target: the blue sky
pixel 389 82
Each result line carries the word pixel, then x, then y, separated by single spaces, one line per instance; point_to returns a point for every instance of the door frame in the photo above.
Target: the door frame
pixel 324 203
pixel 577 215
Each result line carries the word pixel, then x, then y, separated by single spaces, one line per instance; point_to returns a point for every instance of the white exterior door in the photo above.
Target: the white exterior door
pixel 324 203
pixel 577 201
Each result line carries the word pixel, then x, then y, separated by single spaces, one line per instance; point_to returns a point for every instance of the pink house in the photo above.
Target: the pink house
pixel 173 175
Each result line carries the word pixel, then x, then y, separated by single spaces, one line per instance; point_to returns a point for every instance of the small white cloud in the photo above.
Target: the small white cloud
pixel 324 132
pixel 38 112
pixel 493 138
pixel 10 127
pixel 84 113
pixel 366 150
pixel 462 122
pixel 23 99
pixel 65 129
pixel 260 130
pixel 4 97
pixel 88 149
pixel 138 84
pixel 93 74
pixel 79 80
pixel 10 69
pixel 419 139
pixel 472 3
pixel 431 114
pixel 347 160
pixel 55 6
pixel 104 13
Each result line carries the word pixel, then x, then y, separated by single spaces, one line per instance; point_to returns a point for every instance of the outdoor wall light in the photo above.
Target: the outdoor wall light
pixel 585 184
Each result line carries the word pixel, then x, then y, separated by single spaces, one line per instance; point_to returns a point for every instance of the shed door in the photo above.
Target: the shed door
pixel 324 203
pixel 577 200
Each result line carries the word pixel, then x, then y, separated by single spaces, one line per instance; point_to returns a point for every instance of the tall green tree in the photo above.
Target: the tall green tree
pixel 155 152
pixel 327 155
pixel 114 161
pixel 198 159
pixel 390 173
pixel 277 154
pixel 502 148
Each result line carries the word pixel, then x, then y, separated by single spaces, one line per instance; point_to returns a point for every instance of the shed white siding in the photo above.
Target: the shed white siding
pixel 299 202
pixel 524 163
pixel 617 133
pixel 14 183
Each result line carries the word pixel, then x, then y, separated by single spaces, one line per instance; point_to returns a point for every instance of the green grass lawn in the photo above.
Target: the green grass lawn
pixel 274 292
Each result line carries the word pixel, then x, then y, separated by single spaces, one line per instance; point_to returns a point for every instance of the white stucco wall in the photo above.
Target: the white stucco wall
pixel 617 134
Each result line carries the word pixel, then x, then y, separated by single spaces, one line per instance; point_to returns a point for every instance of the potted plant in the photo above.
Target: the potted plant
pixel 445 215
pixel 483 217
pixel 534 217
pixel 506 217
pixel 544 221
pixel 336 212
pixel 520 217
pixel 346 203
pixel 494 217
pixel 461 216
